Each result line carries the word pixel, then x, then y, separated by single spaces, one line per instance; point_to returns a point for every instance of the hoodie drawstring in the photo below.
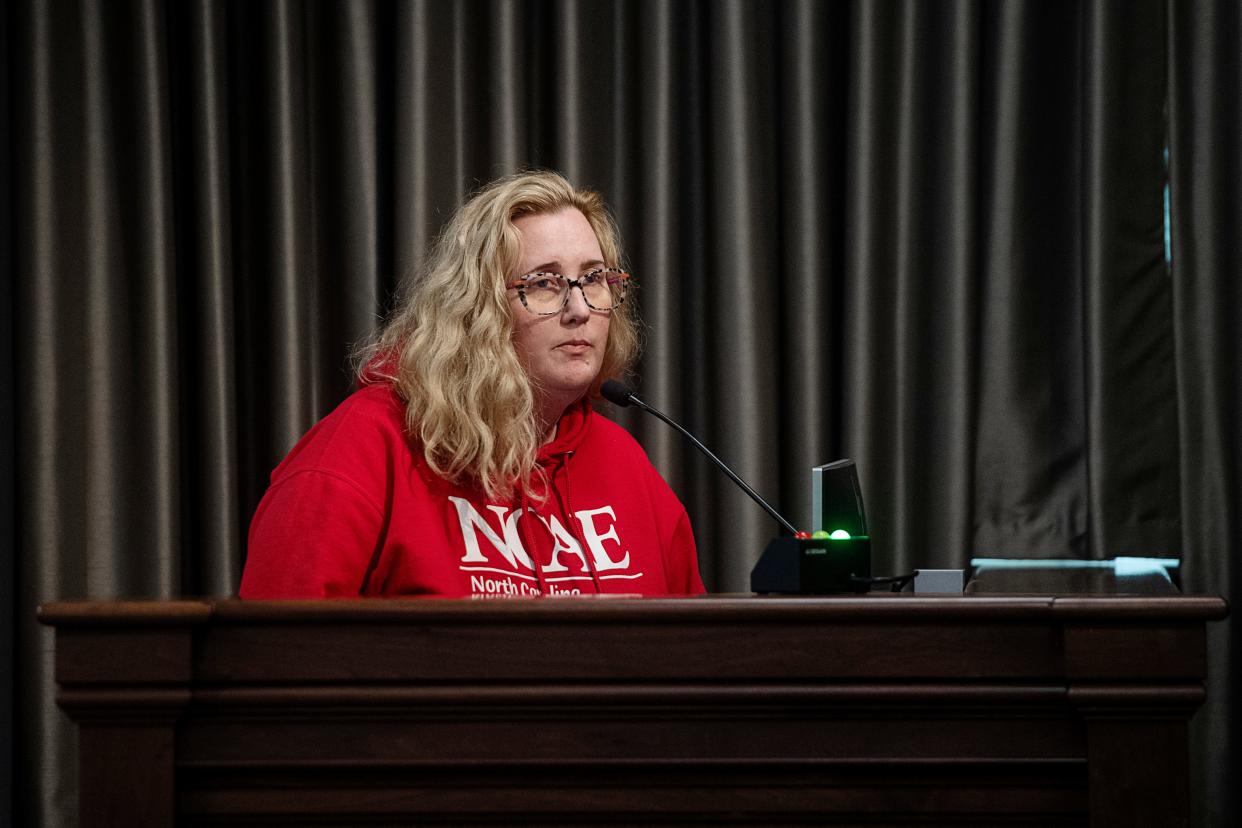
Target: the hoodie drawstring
pixel 567 509
pixel 567 515
pixel 523 528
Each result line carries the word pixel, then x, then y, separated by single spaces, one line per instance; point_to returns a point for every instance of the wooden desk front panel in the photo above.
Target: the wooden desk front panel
pixel 869 710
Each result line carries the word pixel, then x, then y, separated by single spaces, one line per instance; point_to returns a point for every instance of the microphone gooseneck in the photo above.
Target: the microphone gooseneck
pixel 619 394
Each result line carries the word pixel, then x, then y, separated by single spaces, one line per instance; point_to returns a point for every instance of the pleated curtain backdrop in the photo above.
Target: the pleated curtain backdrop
pixel 1205 143
pixel 927 236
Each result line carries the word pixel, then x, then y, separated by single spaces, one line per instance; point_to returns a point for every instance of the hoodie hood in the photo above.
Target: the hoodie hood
pixel 571 432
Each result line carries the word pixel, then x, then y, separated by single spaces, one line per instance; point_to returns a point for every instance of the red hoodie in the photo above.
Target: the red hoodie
pixel 354 510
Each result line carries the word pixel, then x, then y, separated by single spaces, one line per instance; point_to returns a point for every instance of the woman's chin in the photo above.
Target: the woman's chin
pixel 573 382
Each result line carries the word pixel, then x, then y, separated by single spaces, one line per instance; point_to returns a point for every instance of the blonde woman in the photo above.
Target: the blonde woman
pixel 470 461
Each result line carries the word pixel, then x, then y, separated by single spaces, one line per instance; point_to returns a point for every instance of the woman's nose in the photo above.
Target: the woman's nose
pixel 575 305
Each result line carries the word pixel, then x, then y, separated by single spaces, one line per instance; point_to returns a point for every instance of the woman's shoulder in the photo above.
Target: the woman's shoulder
pixel 614 435
pixel 367 425
pixel 371 411
pixel 375 401
pixel 617 455
pixel 610 442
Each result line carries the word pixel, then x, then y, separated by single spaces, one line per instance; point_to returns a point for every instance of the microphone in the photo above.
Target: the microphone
pixel 619 394
pixel 803 564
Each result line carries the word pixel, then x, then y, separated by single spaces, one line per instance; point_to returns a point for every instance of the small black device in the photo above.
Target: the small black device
pixel 837 555
pixel 809 566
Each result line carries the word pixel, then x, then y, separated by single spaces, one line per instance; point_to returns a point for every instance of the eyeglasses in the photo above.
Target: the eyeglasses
pixel 544 294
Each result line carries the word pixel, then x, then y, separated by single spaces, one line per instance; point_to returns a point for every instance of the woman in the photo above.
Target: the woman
pixel 470 461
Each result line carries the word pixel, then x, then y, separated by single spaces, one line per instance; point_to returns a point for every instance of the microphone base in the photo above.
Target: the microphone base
pixel 811 566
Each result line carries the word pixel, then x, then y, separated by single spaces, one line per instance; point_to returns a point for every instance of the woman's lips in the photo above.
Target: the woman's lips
pixel 575 346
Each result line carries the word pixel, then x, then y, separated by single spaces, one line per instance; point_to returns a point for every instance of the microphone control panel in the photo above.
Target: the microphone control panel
pixel 813 563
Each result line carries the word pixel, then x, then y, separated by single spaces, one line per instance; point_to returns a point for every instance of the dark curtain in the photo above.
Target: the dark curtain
pixel 928 236
pixel 8 474
pixel 1205 143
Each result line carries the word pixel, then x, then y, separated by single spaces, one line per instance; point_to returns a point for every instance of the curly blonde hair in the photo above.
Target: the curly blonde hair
pixel 447 348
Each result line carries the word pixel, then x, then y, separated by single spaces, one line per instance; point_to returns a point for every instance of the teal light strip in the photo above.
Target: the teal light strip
pixel 1130 567
pixel 1168 216
pixel 1123 565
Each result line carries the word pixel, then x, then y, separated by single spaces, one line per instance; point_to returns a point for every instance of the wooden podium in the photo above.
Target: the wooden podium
pixel 867 710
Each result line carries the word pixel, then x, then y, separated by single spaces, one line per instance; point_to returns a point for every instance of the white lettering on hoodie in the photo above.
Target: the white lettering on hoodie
pixel 472 523
pixel 514 552
pixel 562 542
pixel 595 539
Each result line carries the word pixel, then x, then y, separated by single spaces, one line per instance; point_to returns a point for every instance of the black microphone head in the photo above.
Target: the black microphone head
pixel 616 392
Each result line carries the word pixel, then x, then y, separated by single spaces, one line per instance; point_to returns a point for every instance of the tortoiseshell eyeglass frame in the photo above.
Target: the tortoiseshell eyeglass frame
pixel 613 277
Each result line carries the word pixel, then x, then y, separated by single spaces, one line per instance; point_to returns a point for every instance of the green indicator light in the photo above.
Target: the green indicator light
pixel 819 534
pixel 839 534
